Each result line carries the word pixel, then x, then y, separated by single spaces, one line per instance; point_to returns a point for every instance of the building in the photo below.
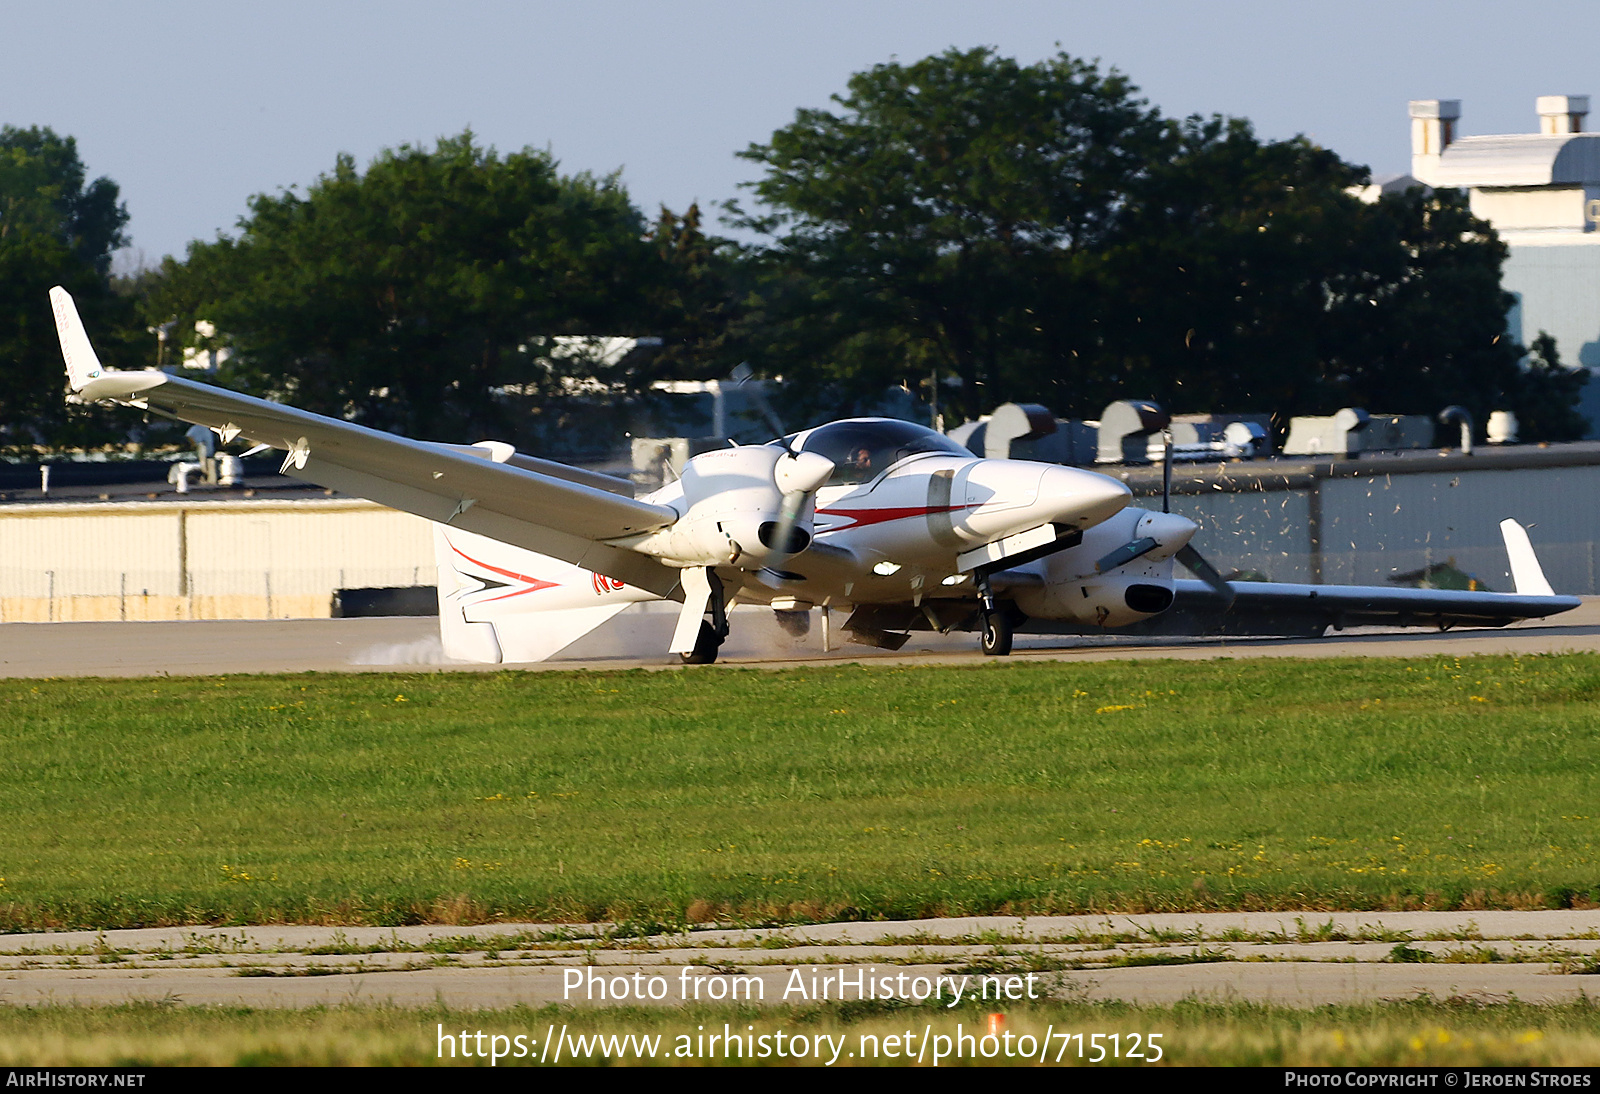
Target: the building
pixel 151 554
pixel 1541 192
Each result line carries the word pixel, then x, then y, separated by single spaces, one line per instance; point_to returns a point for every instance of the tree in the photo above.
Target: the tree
pixel 1545 400
pixel 43 192
pixel 56 228
pixel 1041 233
pixel 1228 280
pixel 409 297
pixel 696 300
pixel 1435 334
pixel 920 225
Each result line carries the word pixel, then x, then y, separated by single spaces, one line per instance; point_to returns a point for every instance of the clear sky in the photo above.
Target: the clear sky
pixel 192 107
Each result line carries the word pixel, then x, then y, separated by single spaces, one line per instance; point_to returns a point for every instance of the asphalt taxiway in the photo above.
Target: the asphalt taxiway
pixel 226 647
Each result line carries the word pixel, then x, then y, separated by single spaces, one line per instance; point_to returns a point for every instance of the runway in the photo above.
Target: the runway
pixel 639 640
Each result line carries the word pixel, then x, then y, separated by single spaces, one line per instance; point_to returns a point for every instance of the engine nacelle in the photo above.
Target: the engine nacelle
pixel 1073 587
pixel 736 505
pixel 1111 600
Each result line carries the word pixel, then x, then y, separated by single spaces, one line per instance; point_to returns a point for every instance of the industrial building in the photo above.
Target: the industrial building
pixel 1541 192
pixel 205 555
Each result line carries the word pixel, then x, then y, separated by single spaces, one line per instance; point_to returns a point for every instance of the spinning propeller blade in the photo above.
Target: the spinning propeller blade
pixel 1126 554
pixel 1205 572
pixel 1159 535
pixel 742 375
pixel 797 476
pixel 1166 470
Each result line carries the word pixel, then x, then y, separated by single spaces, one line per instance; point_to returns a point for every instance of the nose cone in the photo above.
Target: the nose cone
pixel 801 473
pixel 1170 531
pixel 1082 498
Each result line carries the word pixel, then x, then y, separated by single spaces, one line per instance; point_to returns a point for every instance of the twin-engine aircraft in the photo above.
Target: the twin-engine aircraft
pixel 892 521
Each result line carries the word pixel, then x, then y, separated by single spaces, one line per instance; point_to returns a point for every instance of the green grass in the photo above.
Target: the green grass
pixel 1455 1032
pixel 808 794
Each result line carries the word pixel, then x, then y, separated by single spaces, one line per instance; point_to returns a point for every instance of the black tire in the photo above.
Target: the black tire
pixel 705 647
pixel 996 634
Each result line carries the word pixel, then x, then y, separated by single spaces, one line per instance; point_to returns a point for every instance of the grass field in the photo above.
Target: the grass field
pixel 1424 1032
pixel 809 794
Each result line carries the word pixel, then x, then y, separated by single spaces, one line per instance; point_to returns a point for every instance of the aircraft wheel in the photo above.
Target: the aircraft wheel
pixel 996 633
pixel 705 647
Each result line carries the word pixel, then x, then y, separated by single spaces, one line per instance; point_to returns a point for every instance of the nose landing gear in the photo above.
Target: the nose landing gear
pixel 995 634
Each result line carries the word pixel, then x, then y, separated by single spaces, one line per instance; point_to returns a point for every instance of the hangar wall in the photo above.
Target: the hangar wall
pixel 235 559
pixel 283 558
pixel 1364 530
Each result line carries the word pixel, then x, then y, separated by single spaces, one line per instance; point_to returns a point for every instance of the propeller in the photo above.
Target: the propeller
pixel 741 375
pixel 1206 572
pixel 1158 534
pixel 797 476
pixel 1126 553
pixel 1166 535
pixel 1166 470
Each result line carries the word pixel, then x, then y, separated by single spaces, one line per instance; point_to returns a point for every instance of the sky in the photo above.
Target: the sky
pixel 193 107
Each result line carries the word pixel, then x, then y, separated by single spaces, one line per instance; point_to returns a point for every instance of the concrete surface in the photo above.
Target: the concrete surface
pixel 1301 959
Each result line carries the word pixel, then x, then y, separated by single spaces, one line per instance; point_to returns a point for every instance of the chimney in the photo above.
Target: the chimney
pixel 1433 128
pixel 1562 113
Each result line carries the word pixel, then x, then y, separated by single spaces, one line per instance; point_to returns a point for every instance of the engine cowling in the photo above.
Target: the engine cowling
pixel 1111 600
pixel 747 507
pixel 1137 547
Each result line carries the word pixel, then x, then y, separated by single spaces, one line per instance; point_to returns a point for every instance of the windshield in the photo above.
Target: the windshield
pixel 862 448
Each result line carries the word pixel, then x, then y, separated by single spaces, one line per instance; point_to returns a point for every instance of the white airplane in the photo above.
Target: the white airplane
pixel 893 521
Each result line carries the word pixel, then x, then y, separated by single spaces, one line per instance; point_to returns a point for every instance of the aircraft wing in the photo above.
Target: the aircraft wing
pixel 1268 608
pixel 460 486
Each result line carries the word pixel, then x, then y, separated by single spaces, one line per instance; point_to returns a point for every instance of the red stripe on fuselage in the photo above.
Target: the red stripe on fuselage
pixel 860 518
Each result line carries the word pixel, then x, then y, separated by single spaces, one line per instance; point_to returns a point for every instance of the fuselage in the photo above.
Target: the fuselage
pixel 904 503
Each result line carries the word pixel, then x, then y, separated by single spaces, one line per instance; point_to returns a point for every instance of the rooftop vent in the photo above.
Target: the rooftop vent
pixel 1561 113
pixel 1433 128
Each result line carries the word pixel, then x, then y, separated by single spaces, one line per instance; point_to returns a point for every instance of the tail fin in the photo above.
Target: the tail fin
pixel 82 364
pixel 502 604
pixel 1526 573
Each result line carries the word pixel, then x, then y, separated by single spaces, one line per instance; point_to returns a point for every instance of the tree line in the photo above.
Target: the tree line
pixel 1009 232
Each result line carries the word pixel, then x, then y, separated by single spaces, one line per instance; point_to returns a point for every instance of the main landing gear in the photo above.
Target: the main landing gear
pixel 712 631
pixel 706 645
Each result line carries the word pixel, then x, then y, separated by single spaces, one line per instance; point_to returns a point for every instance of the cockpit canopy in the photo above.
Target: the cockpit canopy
pixel 863 448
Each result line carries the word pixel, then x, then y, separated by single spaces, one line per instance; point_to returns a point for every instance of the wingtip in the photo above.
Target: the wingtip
pixel 82 363
pixel 1526 573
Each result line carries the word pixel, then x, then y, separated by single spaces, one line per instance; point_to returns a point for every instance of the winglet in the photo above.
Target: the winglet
pixel 82 364
pixel 1526 572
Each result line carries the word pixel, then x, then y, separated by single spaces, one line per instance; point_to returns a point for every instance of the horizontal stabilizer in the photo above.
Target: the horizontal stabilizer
pixel 502 604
